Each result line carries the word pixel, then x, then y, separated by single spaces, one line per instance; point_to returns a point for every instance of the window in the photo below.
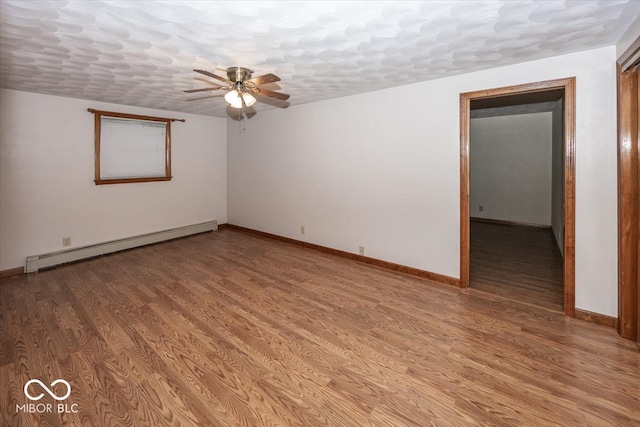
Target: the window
pixel 131 148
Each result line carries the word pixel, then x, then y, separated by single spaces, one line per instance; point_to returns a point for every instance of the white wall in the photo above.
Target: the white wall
pixel 381 170
pixel 47 171
pixel 557 174
pixel 510 168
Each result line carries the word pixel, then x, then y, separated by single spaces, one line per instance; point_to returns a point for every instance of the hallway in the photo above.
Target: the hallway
pixel 518 263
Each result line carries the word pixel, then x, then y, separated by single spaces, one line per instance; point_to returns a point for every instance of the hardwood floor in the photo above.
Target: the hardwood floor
pixel 228 329
pixel 518 263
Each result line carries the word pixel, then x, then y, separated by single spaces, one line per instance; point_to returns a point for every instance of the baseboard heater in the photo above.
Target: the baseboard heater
pixel 37 262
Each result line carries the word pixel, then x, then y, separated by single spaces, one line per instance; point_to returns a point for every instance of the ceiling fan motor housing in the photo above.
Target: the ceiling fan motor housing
pixel 238 74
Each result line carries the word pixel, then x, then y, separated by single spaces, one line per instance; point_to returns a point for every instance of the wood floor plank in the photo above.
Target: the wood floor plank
pixel 233 329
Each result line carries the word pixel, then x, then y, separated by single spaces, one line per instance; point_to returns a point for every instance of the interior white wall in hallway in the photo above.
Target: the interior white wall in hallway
pixel 47 170
pixel 382 170
pixel 510 168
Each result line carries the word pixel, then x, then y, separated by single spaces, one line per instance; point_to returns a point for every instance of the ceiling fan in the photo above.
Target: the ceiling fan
pixel 241 87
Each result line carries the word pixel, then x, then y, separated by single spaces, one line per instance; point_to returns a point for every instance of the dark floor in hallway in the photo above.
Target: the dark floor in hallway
pixel 517 263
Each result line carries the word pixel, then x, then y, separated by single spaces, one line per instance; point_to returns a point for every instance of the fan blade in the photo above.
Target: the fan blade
pixel 248 111
pixel 206 73
pixel 271 86
pixel 271 101
pixel 272 94
pixel 206 80
pixel 263 80
pixel 204 90
pixel 234 113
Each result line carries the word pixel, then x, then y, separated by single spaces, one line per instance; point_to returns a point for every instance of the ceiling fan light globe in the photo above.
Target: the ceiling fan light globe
pixel 249 99
pixel 232 98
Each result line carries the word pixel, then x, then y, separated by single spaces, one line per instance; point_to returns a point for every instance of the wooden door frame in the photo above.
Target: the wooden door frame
pixel 569 149
pixel 628 323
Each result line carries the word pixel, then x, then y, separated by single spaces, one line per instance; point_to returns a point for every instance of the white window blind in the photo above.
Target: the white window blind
pixel 132 148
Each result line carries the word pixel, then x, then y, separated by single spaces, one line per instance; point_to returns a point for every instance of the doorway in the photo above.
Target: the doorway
pixel 514 95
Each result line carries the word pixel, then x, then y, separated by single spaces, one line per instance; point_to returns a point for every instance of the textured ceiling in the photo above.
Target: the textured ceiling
pixel 143 52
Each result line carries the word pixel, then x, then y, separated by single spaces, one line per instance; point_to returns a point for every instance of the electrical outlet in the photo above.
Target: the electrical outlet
pixel 302 229
pixel 481 208
pixel 66 241
pixel 361 250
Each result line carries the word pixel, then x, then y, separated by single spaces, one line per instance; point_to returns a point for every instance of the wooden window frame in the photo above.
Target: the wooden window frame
pixel 98 114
